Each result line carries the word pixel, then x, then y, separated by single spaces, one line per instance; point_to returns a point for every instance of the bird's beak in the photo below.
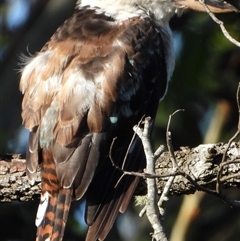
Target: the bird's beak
pixel 215 6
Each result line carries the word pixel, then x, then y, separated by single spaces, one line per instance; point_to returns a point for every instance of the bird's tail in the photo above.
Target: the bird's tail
pixel 54 204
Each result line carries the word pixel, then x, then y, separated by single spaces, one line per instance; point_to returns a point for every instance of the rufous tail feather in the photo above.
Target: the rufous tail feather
pixel 54 204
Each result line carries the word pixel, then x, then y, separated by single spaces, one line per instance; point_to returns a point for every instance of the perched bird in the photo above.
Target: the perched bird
pixel 102 71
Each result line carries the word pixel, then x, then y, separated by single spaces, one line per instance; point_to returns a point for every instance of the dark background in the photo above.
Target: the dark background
pixel 204 83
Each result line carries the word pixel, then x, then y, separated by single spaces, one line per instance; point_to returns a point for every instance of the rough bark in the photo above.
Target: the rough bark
pixel 201 164
pixel 14 184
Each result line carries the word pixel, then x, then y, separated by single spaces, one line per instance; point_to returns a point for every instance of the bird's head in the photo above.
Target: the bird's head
pixel 216 6
pixel 167 8
pixel 163 10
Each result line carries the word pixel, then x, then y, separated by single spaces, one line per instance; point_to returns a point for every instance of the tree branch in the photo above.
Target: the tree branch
pixel 154 216
pixel 14 184
pixel 197 170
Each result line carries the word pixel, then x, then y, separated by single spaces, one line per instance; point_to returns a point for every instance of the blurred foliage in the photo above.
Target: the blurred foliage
pixel 207 71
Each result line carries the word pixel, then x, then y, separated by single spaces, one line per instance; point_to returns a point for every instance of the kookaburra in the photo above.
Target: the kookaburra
pixel 104 69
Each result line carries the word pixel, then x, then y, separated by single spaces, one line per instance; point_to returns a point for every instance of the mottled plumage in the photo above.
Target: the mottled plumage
pixel 103 70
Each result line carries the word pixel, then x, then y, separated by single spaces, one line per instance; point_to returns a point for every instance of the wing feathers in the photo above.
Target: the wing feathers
pixel 92 82
pixel 81 77
pixel 32 154
pixel 105 199
pixel 84 178
pixel 74 171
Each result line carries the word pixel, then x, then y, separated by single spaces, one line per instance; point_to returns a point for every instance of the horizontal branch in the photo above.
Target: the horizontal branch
pixel 14 184
pixel 197 167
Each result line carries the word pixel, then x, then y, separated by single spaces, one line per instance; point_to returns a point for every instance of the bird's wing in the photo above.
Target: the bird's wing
pixel 91 83
pixel 144 82
pixel 70 87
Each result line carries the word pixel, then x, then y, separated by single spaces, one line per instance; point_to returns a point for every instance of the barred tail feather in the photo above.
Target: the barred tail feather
pixel 54 204
pixel 52 215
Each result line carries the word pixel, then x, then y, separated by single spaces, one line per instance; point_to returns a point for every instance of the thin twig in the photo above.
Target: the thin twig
pixel 131 142
pixel 164 196
pixel 232 203
pixel 220 23
pixel 169 139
